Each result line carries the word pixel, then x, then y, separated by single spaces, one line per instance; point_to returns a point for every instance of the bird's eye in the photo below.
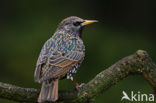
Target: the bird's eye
pixel 76 23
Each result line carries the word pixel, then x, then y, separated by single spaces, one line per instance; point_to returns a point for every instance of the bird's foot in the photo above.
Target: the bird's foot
pixel 77 85
pixel 80 86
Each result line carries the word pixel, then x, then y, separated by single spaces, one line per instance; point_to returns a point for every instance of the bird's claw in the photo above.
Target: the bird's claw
pixel 80 86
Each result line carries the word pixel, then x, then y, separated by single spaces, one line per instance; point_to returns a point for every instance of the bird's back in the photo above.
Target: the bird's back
pixel 59 55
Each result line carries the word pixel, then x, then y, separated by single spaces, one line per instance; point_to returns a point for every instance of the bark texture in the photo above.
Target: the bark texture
pixel 137 63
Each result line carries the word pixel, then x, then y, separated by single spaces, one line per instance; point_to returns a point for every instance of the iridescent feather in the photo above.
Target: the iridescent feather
pixel 60 56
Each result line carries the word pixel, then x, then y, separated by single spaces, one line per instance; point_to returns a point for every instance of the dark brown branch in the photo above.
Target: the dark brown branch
pixel 137 63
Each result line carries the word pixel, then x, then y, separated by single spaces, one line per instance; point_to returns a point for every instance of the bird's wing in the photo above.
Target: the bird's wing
pixel 42 59
pixel 68 53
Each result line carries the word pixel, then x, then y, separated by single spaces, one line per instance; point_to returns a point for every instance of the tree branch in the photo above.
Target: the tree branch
pixel 137 63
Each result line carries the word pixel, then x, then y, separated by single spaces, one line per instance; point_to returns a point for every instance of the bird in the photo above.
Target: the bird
pixel 60 57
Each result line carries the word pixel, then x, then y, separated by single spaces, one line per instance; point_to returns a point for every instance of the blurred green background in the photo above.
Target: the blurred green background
pixel 124 26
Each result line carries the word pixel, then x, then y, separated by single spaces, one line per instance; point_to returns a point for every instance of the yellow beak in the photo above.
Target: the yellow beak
pixel 86 22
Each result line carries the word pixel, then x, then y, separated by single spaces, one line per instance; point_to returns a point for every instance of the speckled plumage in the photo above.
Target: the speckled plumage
pixel 60 57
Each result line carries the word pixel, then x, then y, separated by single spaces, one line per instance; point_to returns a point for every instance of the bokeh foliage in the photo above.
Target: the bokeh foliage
pixel 124 27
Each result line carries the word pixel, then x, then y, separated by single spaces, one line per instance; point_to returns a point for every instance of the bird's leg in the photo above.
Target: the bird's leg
pixel 76 84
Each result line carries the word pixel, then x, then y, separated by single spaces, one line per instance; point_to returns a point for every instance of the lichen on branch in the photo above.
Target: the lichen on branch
pixel 137 63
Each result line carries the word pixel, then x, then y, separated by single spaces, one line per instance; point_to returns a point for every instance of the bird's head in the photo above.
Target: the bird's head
pixel 73 25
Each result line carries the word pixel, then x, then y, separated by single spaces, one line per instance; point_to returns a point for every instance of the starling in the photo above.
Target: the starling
pixel 60 57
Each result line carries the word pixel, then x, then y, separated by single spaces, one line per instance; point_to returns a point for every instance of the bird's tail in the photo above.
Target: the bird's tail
pixel 49 91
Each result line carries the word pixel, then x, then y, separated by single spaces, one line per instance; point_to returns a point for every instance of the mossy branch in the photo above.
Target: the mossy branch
pixel 137 63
